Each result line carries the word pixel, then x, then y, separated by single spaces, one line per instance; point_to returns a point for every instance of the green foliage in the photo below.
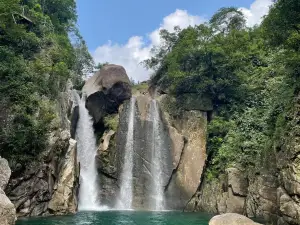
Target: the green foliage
pixel 111 121
pixel 140 87
pixel 282 25
pixel 228 19
pixel 36 60
pixel 99 66
pixel 250 74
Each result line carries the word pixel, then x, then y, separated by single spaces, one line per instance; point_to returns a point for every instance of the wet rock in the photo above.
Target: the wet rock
pixel 106 154
pixel 74 120
pixel 231 219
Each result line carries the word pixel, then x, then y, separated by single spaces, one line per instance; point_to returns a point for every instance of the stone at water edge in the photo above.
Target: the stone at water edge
pixel 7 209
pixel 5 173
pixel 231 219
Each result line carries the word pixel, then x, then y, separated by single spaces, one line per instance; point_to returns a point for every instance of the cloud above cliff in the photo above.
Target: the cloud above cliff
pixel 138 48
pixel 257 10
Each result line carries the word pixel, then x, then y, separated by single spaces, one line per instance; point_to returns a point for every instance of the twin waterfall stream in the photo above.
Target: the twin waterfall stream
pixel 89 194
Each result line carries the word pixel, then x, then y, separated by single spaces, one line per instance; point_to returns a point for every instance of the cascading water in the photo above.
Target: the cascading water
pixel 157 190
pixel 86 145
pixel 125 196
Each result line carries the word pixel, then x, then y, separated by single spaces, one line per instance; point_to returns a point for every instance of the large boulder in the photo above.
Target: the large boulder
pixel 106 90
pixel 231 219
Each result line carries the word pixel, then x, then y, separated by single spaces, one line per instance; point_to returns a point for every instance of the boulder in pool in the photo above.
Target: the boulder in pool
pixel 231 219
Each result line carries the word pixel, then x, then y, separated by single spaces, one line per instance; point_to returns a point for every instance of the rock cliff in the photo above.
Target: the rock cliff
pixel 270 192
pixel 49 184
pixel 184 141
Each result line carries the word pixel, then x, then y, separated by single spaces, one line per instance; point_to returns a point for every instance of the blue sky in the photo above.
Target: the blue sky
pixel 117 20
pixel 123 32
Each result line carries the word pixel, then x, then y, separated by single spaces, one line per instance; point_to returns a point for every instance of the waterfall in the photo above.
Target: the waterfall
pixel 125 196
pixel 157 190
pixel 86 145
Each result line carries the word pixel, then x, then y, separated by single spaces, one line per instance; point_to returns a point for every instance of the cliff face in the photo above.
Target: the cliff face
pixel 49 185
pixel 270 192
pixel 183 144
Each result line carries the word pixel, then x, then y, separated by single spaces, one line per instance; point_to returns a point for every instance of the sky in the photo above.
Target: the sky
pixel 123 32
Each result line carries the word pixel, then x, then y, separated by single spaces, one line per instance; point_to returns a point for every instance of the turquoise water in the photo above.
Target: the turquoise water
pixel 122 218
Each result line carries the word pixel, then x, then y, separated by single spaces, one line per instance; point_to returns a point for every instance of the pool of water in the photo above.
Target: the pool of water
pixel 121 218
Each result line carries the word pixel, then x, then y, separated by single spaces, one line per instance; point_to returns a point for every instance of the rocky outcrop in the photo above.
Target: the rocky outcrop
pixel 271 191
pixel 7 209
pixel 55 171
pixel 32 191
pixel 231 219
pixel 106 162
pixel 64 199
pixel 185 178
pixel 106 90
pixel 225 195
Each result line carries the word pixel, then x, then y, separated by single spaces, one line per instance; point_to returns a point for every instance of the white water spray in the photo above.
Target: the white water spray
pixel 157 200
pixel 125 197
pixel 87 148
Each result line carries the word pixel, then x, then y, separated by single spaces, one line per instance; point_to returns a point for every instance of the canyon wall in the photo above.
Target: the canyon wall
pixel 270 191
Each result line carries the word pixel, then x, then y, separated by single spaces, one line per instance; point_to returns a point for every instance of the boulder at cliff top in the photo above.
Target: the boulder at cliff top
pixel 231 219
pixel 106 90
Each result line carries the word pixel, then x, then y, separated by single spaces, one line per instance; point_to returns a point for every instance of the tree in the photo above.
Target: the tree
pixel 282 25
pixel 99 66
pixel 228 19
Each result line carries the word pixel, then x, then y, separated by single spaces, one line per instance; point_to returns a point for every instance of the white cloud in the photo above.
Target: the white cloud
pixel 179 18
pixel 136 50
pixel 258 9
